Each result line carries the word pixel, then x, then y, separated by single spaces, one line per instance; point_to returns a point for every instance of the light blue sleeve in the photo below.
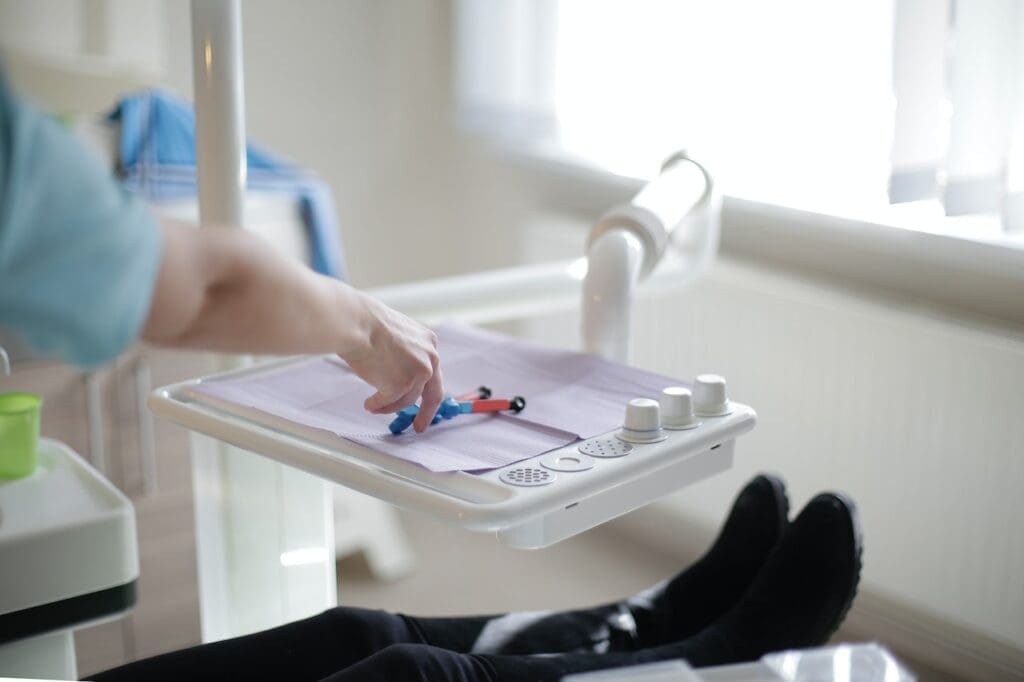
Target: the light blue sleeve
pixel 79 256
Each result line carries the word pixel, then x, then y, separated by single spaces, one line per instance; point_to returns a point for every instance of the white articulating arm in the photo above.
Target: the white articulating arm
pixel 220 111
pixel 665 237
pixel 673 214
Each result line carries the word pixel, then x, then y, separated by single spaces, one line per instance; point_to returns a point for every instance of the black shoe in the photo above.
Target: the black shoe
pixel 677 608
pixel 799 598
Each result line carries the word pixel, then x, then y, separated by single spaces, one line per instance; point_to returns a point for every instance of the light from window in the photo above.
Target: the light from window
pixel 790 101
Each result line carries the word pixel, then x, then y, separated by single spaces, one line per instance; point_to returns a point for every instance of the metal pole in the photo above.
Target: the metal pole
pixel 94 415
pixel 147 439
pixel 220 110
pixel 252 514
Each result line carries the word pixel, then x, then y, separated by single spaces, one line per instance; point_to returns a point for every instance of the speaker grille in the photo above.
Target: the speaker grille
pixel 526 476
pixel 605 447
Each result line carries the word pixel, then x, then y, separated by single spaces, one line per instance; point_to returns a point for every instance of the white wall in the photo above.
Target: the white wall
pixel 358 91
pixel 355 91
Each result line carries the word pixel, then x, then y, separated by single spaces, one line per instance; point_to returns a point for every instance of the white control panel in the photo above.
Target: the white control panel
pixel 685 435
pixel 661 447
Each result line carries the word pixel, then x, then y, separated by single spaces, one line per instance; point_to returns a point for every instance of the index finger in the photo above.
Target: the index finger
pixel 433 394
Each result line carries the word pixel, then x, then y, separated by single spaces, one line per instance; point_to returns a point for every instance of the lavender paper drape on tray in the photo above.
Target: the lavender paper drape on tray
pixel 568 396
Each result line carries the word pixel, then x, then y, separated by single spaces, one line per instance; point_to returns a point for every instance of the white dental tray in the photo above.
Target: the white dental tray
pixel 529 504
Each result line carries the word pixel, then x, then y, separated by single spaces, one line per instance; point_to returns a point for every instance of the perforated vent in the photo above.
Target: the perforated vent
pixel 605 447
pixel 526 476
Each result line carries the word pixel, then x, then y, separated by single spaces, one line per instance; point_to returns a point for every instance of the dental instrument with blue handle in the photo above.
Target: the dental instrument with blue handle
pixel 480 401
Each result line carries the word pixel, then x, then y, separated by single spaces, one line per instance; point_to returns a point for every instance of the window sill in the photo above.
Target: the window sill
pixel 980 278
pixel 979 275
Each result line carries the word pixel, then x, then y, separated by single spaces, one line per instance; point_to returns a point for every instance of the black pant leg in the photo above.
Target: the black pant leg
pixel 308 649
pixel 455 633
pixel 417 663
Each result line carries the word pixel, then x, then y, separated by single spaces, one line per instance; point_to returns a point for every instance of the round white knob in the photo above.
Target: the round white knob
pixel 677 408
pixel 643 422
pixel 709 397
pixel 642 414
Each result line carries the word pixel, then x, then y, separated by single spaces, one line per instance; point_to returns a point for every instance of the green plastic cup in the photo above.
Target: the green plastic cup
pixel 19 433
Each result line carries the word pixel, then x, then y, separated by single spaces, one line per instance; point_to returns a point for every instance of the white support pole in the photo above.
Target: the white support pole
pixel 665 237
pixel 614 261
pixel 264 531
pixel 673 218
pixel 220 110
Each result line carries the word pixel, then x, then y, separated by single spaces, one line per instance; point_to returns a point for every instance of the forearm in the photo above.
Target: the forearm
pixel 225 290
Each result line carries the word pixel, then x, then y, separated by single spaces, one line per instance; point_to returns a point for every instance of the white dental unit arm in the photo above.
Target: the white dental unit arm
pixel 675 214
pixel 665 236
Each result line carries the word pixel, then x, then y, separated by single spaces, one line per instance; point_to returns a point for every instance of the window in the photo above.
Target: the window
pixel 787 100
pixel 791 103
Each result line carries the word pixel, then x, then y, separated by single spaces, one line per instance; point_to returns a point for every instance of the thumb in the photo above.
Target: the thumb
pixel 377 401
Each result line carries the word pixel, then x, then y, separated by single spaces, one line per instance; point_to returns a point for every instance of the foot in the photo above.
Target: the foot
pixel 671 611
pixel 799 598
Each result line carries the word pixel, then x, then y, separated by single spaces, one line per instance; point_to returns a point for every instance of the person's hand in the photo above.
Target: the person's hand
pixel 398 358
pixel 228 290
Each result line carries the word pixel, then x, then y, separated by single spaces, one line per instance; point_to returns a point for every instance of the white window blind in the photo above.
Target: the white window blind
pixel 959 66
pixel 820 104
pixel 789 100
pixel 505 67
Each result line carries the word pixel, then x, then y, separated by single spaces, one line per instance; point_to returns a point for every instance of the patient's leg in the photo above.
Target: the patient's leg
pixel 419 663
pixel 307 649
pixel 798 599
pixel 668 612
pixel 337 639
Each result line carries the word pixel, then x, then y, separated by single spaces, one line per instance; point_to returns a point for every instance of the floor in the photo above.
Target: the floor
pixel 460 573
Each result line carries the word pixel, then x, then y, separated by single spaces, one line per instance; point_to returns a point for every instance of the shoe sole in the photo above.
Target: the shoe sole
pixel 858 540
pixel 781 500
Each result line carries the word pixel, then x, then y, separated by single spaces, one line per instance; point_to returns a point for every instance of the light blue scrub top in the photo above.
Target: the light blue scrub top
pixel 79 255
